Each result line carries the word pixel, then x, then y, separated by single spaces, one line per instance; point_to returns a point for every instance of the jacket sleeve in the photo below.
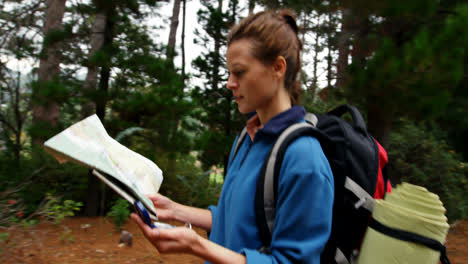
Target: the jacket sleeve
pixel 304 207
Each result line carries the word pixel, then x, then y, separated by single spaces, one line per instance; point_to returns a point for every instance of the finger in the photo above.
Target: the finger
pixel 154 197
pixel 145 229
pixel 172 234
pixel 166 234
pixel 168 246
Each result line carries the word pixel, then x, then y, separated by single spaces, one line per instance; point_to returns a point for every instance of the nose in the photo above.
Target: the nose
pixel 231 83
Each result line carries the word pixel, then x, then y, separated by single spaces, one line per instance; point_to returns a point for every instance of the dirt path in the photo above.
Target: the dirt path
pixel 70 243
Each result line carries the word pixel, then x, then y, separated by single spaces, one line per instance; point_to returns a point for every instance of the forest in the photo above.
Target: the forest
pixel 404 64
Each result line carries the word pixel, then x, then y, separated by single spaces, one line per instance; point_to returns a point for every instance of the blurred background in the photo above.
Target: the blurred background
pixel 154 72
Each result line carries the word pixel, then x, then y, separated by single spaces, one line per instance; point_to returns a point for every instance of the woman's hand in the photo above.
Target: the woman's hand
pixel 184 240
pixel 176 240
pixel 165 207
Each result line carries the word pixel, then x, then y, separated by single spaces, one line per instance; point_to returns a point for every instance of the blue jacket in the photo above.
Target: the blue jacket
pixel 305 198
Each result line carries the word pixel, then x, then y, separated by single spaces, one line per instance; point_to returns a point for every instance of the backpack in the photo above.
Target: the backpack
pixel 356 160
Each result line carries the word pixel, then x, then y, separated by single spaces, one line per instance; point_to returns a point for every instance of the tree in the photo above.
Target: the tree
pixel 13 110
pixel 411 72
pixel 96 43
pixel 217 110
pixel 112 23
pixel 343 48
pixel 182 42
pixel 101 41
pixel 46 108
pixel 251 6
pixel 173 30
pixel 17 31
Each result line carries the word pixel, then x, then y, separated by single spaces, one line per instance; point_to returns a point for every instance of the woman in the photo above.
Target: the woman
pixel 263 59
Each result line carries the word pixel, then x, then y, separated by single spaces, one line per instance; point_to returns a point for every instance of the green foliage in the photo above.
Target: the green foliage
pixel 186 166
pixel 217 110
pixel 409 58
pixel 409 69
pixel 56 210
pixel 29 222
pixel 216 146
pixel 11 209
pixel 417 156
pixel 128 132
pixel 55 36
pixel 3 239
pixel 45 92
pixel 39 173
pixel 120 213
pixel 316 105
pixel 67 236
pixel 203 191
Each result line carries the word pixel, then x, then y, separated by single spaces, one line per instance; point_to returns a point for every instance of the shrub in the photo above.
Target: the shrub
pixel 417 156
pixel 38 173
pixel 120 213
pixel 187 183
pixel 202 191
pixel 56 211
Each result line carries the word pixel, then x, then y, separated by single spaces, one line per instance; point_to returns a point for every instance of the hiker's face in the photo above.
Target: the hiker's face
pixel 253 84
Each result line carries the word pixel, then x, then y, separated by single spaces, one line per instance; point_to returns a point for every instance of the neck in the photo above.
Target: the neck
pixel 279 103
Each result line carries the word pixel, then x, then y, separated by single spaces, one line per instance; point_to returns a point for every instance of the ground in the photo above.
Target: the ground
pixel 73 242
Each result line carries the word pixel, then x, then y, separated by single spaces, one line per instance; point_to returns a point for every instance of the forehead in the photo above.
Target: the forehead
pixel 239 52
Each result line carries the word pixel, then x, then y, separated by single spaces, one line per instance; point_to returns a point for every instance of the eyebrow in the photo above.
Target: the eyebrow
pixel 236 64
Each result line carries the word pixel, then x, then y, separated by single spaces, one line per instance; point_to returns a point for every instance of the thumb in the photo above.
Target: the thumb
pixel 156 197
pixel 152 196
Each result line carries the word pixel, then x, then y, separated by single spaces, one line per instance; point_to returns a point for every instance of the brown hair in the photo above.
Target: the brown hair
pixel 274 33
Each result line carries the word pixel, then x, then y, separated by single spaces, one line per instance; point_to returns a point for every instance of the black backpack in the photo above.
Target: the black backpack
pixel 354 159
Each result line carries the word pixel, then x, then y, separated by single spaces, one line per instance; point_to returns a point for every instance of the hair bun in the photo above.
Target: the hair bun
pixel 289 18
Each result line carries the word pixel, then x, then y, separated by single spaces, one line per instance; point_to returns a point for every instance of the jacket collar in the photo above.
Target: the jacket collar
pixel 281 121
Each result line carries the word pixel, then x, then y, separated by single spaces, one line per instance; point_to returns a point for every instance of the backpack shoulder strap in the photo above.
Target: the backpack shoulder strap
pixel 266 193
pixel 239 141
pixel 311 119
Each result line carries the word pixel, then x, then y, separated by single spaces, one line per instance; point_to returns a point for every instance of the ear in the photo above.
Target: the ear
pixel 279 67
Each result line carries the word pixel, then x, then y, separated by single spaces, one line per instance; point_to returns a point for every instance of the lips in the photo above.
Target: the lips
pixel 238 98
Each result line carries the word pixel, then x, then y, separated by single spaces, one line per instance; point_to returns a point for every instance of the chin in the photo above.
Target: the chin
pixel 244 110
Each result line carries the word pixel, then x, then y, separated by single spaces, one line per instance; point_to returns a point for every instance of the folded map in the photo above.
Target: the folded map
pixel 127 172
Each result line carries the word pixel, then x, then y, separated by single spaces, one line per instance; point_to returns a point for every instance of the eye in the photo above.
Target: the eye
pixel 238 73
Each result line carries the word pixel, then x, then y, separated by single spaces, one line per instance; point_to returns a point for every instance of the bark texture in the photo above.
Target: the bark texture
pixel 45 111
pixel 173 30
pixel 96 43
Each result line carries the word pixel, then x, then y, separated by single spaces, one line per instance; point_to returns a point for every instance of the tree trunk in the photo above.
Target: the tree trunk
pixel 315 65
pixel 217 48
pixel 97 41
pixel 301 36
pixel 360 48
pixel 234 4
pixel 96 193
pixel 329 57
pixel 379 122
pixel 173 30
pixel 183 38
pixel 251 6
pixel 45 111
pixel 343 49
pixel 18 119
pixel 109 33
